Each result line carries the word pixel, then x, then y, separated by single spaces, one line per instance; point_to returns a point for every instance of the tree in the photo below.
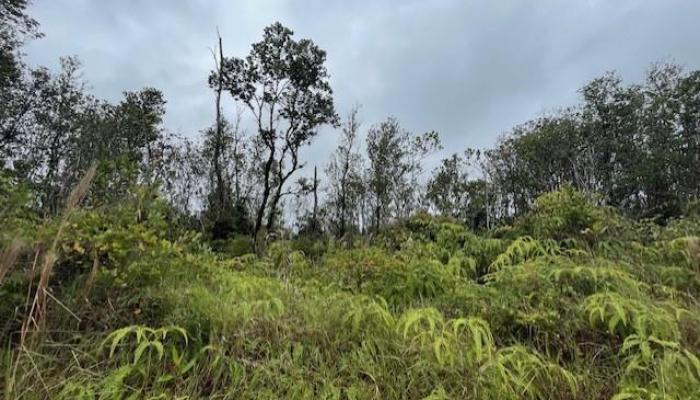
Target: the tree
pixel 345 186
pixel 125 139
pixel 534 158
pixel 182 174
pixel 636 145
pixel 446 189
pixel 226 205
pixel 224 150
pixel 395 163
pixel 138 120
pixel 283 83
pixel 309 220
pixel 664 143
pixel 451 193
pixel 217 141
pixel 18 85
pixel 611 116
pixel 689 136
pixel 55 132
pixel 18 103
pixel 16 27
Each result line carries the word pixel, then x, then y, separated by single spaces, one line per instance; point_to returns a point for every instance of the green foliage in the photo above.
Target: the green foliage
pixel 523 249
pixel 236 246
pixel 623 316
pixel 430 310
pixel 18 218
pixel 114 300
pixel 634 145
pixel 567 214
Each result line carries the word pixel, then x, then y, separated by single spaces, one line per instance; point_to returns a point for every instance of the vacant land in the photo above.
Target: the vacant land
pixel 570 302
pixel 258 235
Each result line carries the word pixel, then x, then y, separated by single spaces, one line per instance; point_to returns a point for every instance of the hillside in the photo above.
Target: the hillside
pixel 254 200
pixel 570 302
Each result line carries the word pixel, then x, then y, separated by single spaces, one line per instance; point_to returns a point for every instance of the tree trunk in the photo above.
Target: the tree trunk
pixel 315 188
pixel 265 196
pixel 218 141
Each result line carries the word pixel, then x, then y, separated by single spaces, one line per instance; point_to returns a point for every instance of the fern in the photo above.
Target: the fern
pixel 369 315
pixel 624 316
pixel 683 250
pixel 420 324
pixel 592 279
pixel 524 374
pixel 476 335
pixel 666 372
pixel 113 385
pixel 523 249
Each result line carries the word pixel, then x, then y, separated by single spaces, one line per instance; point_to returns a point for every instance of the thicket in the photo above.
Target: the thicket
pixel 572 301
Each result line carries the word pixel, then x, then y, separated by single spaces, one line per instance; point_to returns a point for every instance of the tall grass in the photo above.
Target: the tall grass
pixel 36 317
pixel 429 311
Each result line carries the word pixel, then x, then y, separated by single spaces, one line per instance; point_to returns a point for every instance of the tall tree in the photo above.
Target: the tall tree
pixel 395 163
pixel 217 141
pixel 16 27
pixel 55 132
pixel 450 191
pixel 635 145
pixel 663 143
pixel 283 83
pixel 345 185
pixel 689 136
pixel 226 211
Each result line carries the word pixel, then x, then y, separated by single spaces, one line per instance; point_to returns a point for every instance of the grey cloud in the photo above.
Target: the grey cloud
pixel 467 69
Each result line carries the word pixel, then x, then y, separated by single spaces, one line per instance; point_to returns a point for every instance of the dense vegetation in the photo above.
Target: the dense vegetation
pixel 573 301
pixel 138 264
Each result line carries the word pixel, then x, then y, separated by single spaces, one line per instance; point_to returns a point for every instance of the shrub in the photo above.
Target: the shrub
pixel 541 310
pixel 568 214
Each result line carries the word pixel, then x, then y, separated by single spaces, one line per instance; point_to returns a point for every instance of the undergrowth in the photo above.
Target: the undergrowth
pixel 571 302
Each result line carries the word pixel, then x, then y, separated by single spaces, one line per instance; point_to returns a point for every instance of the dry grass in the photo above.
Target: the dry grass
pixel 9 258
pixel 36 318
pixel 694 252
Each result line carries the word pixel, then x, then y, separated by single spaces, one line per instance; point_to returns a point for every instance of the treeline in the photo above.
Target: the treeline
pixel 635 147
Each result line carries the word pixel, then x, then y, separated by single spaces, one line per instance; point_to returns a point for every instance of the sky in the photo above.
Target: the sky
pixel 468 69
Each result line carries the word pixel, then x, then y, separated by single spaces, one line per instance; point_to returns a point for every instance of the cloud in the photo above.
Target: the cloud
pixel 467 69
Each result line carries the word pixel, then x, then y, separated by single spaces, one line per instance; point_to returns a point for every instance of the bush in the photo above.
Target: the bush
pixel 567 214
pixel 236 246
pixel 555 307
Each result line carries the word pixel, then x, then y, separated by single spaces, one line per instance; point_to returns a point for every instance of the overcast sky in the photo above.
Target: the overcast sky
pixel 467 69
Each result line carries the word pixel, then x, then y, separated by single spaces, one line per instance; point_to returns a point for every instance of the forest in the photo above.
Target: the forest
pixel 135 263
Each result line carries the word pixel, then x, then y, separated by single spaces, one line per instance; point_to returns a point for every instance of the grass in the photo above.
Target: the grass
pixel 428 310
